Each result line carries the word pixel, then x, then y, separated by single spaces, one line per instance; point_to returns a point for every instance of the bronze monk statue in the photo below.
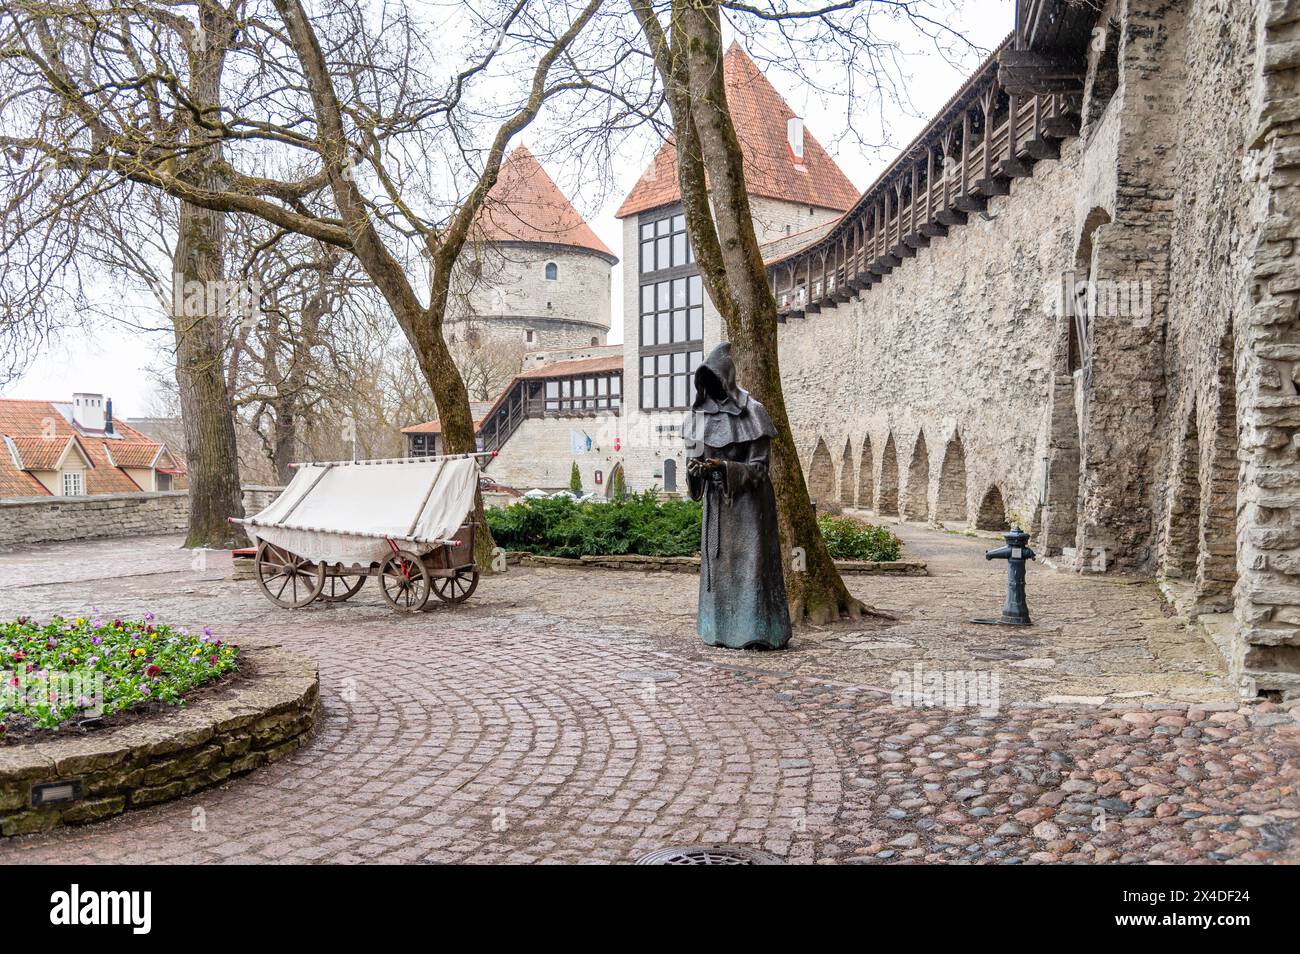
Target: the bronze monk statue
pixel 742 586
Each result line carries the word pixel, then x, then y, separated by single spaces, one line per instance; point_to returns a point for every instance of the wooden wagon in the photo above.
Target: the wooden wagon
pixel 408 523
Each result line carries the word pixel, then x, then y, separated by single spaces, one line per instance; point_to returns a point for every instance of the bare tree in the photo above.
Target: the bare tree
pixel 59 56
pixel 344 104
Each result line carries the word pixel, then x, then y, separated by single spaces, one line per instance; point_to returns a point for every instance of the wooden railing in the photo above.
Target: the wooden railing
pixel 515 409
pixel 981 140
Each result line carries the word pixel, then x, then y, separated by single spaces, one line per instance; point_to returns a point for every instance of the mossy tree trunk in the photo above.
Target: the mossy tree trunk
pixel 710 167
pixel 199 302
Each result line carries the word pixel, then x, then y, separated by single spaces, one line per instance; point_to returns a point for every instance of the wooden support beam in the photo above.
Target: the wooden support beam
pixel 991 186
pixel 1043 149
pixel 987 100
pixel 1025 72
pixel 1062 127
pixel 1015 169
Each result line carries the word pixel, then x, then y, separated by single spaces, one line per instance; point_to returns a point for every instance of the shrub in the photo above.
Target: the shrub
pixel 62 669
pixel 850 539
pixel 635 523
pixel 575 479
pixel 644 525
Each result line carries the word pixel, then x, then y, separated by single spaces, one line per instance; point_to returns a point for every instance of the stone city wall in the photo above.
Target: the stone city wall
pixel 29 520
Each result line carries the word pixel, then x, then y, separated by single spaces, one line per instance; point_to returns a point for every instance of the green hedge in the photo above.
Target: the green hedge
pixel 637 523
pixel 850 539
pixel 644 525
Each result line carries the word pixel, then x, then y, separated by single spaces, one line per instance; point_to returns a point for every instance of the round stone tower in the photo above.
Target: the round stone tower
pixel 535 275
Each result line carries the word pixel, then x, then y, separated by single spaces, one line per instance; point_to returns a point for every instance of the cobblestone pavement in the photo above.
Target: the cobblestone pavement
pixel 572 716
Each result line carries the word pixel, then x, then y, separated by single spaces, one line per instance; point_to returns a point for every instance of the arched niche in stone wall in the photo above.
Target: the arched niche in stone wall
pixel 992 514
pixel 887 494
pixel 866 477
pixel 1216 565
pixel 821 479
pixel 1183 512
pixel 951 503
pixel 916 496
pixel 846 476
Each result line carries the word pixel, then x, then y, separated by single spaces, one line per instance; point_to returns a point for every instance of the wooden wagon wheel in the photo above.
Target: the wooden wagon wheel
pixel 338 586
pixel 456 589
pixel 286 579
pixel 404 582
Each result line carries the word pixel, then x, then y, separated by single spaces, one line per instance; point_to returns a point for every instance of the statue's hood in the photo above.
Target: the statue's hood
pixel 722 413
pixel 716 390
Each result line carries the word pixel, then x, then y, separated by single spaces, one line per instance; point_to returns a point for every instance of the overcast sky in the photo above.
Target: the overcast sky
pixel 115 361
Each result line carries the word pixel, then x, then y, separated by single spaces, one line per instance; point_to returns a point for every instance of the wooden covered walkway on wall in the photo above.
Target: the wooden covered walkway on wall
pixel 1009 115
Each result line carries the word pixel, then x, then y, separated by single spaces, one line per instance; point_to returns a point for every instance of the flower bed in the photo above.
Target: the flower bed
pixel 77 669
pixel 643 525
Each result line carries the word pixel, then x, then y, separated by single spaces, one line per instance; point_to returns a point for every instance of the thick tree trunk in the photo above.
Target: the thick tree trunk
pixel 451 397
pixel 211 459
pixel 283 437
pixel 199 300
pixel 716 202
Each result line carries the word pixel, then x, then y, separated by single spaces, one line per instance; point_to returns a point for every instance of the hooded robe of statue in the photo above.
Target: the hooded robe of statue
pixel 742 586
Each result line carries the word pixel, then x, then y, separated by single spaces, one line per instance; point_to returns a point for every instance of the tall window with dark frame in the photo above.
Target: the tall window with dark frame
pixel 671 313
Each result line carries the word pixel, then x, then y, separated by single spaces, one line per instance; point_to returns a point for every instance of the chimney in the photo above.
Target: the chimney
pixel 88 411
pixel 794 135
pixel 108 416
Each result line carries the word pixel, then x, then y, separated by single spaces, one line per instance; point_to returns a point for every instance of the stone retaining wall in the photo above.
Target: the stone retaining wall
pixel 228 732
pixel 27 520
pixel 691 564
pixel 49 519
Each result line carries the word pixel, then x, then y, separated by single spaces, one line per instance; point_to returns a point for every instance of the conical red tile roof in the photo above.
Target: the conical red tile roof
pixel 771 168
pixel 526 205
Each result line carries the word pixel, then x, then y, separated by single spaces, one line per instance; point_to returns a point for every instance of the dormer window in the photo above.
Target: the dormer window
pixel 73 485
pixel 552 272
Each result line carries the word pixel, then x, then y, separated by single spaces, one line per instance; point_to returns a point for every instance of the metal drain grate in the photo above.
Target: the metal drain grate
pixel 709 855
pixel 648 675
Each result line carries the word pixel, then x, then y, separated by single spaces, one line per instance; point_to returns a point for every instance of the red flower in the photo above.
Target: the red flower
pixel 212 660
pixel 152 672
pixel 20 655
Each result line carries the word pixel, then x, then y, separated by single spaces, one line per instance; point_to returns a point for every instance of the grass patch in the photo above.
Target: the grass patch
pixel 643 525
pixel 80 668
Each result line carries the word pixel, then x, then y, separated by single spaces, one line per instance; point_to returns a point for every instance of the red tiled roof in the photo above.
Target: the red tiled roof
pixel 771 169
pixel 36 452
pixel 132 453
pixel 562 369
pixel 21 419
pixel 526 205
pixel 482 410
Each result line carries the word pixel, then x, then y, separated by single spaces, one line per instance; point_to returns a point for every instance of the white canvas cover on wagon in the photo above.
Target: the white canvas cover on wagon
pixel 346 512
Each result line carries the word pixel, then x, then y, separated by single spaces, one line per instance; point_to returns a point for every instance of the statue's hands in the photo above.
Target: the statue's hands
pixel 704 466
